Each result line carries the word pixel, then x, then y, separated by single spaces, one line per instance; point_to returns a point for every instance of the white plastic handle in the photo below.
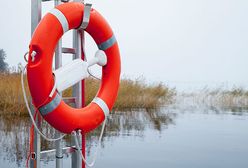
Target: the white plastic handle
pixel 100 59
pixel 76 71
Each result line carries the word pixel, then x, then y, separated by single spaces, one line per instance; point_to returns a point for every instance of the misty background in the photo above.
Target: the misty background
pixel 183 43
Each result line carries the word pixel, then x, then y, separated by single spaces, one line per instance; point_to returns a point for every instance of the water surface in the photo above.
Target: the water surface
pixel 171 137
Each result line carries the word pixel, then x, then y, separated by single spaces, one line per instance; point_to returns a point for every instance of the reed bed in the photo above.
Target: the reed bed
pixel 11 97
pixel 235 97
pixel 133 94
pixel 218 98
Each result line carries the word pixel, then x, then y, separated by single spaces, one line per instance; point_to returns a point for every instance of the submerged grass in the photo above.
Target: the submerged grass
pixel 132 94
pixel 235 97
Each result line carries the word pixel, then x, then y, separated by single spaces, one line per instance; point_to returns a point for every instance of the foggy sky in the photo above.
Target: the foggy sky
pixel 173 41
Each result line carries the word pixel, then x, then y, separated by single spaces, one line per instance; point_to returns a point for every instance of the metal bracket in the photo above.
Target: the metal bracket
pixel 86 16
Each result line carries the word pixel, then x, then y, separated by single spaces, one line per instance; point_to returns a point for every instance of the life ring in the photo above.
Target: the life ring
pixel 40 76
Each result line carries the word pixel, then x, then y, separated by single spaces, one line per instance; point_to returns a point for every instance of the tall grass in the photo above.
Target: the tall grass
pixel 132 94
pixel 11 98
pixel 235 97
pixel 218 98
pixel 137 94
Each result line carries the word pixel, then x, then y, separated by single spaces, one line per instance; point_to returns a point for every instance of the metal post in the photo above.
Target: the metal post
pixel 77 88
pixel 58 64
pixel 79 159
pixel 82 34
pixel 58 52
pixel 77 93
pixel 35 19
pixel 35 14
pixel 35 157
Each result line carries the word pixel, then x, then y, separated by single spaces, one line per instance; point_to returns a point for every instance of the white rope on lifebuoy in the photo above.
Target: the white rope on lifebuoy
pixel 74 133
pixel 30 113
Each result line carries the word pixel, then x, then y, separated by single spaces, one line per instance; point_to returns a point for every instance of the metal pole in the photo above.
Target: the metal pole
pixel 79 159
pixel 35 157
pixel 83 94
pixel 35 19
pixel 82 35
pixel 58 51
pixel 77 93
pixel 83 135
pixel 58 64
pixel 77 88
pixel 35 14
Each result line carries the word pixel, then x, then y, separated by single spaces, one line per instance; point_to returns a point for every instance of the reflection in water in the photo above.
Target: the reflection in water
pixel 125 123
pixel 14 139
pixel 201 132
pixel 14 132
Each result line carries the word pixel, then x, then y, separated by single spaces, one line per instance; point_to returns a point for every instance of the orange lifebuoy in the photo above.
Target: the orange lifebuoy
pixel 40 76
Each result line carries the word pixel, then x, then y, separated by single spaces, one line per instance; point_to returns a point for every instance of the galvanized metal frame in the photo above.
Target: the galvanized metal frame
pixel 78 94
pixel 35 19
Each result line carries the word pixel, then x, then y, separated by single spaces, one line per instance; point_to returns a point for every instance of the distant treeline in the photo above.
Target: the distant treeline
pixel 3 65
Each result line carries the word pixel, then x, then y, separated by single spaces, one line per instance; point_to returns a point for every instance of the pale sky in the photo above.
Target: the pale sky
pixel 178 42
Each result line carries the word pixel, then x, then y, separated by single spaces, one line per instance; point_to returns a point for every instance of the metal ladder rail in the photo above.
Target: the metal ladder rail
pixel 77 50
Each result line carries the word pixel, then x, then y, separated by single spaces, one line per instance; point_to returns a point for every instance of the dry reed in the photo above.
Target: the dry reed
pixel 11 98
pixel 217 98
pixel 132 94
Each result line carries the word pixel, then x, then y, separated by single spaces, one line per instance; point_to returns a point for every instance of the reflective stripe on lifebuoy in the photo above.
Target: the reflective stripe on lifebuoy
pixel 40 77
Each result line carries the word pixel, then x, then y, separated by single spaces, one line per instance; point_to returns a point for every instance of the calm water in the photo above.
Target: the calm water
pixel 172 137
